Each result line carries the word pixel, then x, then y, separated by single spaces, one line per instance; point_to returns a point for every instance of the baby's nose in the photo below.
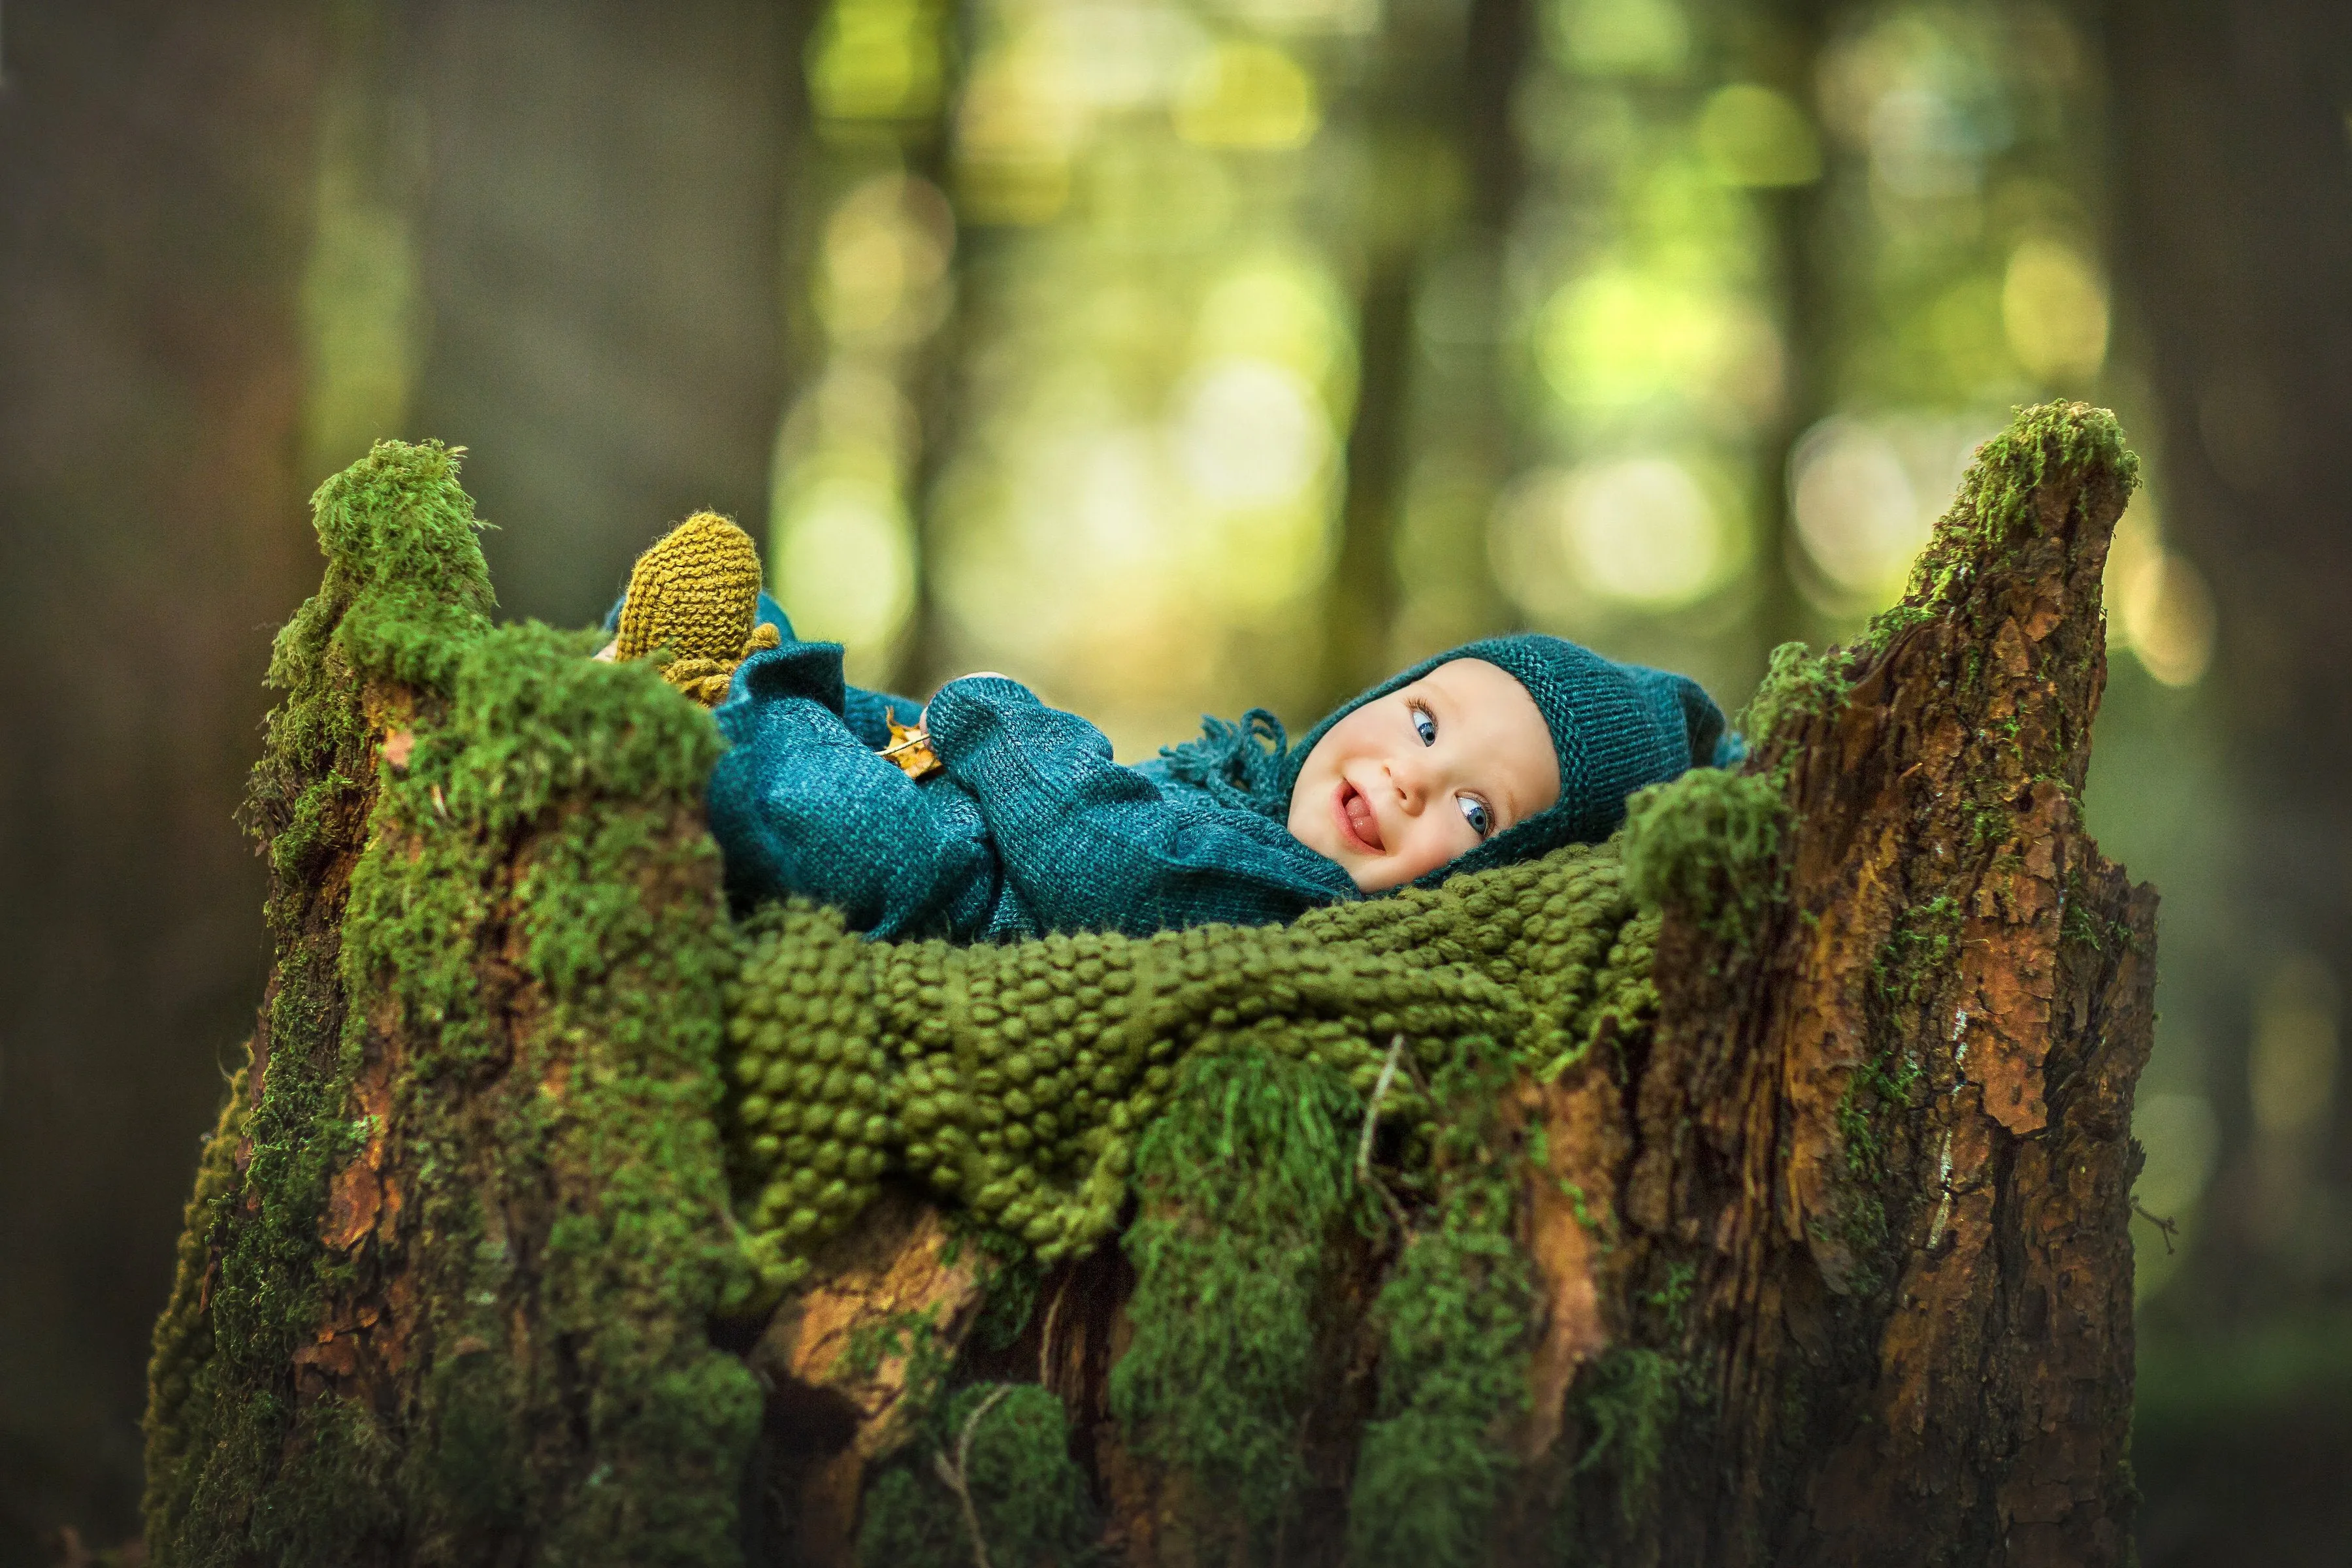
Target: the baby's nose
pixel 1411 776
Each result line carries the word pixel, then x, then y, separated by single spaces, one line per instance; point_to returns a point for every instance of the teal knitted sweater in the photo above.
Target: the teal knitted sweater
pixel 1031 827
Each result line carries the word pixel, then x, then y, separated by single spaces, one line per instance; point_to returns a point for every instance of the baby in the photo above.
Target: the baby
pixel 990 817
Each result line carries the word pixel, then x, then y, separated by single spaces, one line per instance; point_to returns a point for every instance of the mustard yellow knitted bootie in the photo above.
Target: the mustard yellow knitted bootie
pixel 697 593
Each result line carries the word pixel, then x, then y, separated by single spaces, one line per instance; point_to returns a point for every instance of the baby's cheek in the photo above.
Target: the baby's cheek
pixel 1430 853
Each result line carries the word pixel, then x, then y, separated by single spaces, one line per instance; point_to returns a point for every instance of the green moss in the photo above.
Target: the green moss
pixel 1916 952
pixel 1014 1287
pixel 1247 1184
pixel 910 1334
pixel 1797 685
pixel 1876 1103
pixel 2081 923
pixel 1671 1297
pixel 1008 1447
pixel 1707 846
pixel 337 1487
pixel 1629 1400
pixel 1456 1322
pixel 1992 513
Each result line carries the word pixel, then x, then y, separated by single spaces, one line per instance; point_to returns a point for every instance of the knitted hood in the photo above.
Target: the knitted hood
pixel 1615 728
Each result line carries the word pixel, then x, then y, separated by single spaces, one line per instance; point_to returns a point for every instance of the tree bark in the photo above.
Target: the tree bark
pixel 1891 1134
pixel 443 1284
pixel 1823 1258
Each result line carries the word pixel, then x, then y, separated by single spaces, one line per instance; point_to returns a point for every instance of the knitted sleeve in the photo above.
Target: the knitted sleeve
pixel 1092 846
pixel 799 803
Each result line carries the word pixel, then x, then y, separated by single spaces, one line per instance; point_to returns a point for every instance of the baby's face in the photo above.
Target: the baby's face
pixel 1409 781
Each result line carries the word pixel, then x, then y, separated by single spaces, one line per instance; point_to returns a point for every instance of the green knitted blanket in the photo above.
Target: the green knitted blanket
pixel 1013 1079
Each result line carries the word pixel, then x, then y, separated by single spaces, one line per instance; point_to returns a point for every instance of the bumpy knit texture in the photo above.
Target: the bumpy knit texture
pixel 1013 1079
pixel 696 592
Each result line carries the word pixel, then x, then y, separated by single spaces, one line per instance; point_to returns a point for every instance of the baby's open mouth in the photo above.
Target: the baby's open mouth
pixel 1357 821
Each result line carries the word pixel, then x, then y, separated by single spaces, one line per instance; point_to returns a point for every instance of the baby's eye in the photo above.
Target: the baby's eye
pixel 1425 725
pixel 1474 812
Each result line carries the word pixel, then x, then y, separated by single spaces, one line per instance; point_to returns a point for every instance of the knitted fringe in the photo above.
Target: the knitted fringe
pixel 1241 765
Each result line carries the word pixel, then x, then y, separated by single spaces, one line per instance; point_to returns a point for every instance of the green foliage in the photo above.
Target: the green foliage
pixel 1456 1322
pixel 1708 845
pixel 1630 1399
pixel 1247 1183
pixel 1007 1446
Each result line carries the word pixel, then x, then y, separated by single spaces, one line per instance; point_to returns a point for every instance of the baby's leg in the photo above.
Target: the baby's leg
pixel 695 593
pixel 800 804
pixel 705 573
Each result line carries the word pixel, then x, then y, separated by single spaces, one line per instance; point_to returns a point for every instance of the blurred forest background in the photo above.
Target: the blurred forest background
pixel 1182 355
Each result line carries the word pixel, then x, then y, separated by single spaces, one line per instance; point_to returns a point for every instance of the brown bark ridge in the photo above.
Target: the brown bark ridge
pixel 1832 1260
pixel 1886 1129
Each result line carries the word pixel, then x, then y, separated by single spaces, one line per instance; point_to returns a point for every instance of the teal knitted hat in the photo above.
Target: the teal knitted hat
pixel 1614 726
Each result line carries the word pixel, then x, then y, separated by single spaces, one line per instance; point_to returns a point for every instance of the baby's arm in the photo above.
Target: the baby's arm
pixel 1094 846
pixel 800 805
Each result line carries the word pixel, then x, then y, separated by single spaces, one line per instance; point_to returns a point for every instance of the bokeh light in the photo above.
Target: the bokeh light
pixel 1621 37
pixel 1247 95
pixel 877 60
pixel 2053 308
pixel 1249 432
pixel 1751 135
pixel 1643 531
pixel 846 562
pixel 1864 494
pixel 2158 605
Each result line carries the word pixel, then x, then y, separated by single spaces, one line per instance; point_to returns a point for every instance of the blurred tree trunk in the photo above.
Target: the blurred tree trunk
pixel 599 232
pixel 1784 46
pixel 155 198
pixel 2233 243
pixel 1445 188
pixel 934 370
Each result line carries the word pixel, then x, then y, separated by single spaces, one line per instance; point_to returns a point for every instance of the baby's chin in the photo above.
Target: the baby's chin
pixel 1370 875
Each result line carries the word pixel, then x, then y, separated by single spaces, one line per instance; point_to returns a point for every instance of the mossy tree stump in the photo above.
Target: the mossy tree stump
pixel 1754 1189
pixel 1880 1142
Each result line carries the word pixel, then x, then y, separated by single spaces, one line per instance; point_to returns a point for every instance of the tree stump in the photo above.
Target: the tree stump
pixel 1801 1238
